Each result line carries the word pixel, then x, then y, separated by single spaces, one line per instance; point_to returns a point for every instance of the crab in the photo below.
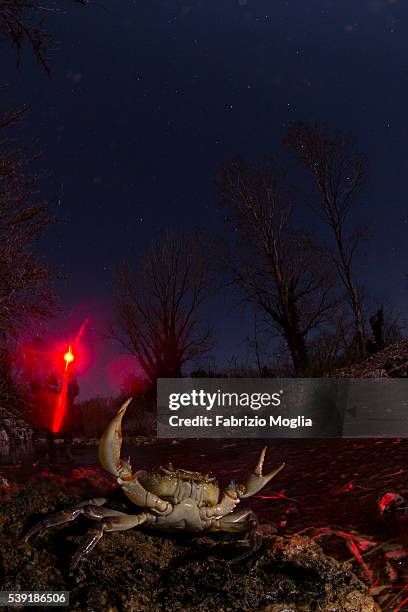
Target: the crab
pixel 171 500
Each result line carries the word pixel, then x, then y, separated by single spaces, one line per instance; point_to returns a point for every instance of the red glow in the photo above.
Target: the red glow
pixel 280 495
pixel 69 358
pixel 387 499
pixel 354 548
pixel 124 373
pixel 400 606
pixel 355 543
pixel 347 488
pixel 61 404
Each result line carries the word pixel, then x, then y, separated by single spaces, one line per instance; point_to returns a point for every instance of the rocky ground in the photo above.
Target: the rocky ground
pixel 348 496
pixel 327 538
pixel 138 570
pixel 391 362
pixel 13 429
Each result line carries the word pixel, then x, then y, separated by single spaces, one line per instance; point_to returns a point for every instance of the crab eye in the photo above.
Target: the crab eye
pixel 240 489
pixel 232 486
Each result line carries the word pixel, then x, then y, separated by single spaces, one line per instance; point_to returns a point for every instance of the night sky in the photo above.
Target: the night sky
pixel 149 98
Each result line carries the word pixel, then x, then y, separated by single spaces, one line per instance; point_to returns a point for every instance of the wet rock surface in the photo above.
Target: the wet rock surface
pixel 138 570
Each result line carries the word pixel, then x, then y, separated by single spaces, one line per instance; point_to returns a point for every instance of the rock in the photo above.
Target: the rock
pixel 4 439
pixel 391 362
pixel 7 488
pixel 146 571
pixel 13 428
pixel 4 484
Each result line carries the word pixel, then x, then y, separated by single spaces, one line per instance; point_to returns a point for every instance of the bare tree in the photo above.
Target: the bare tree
pixel 24 281
pixel 386 328
pixel 277 267
pixel 20 23
pixel 338 173
pixel 394 327
pixel 158 306
pixel 24 292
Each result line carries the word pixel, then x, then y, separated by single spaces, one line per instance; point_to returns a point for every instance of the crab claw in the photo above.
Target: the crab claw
pixel 110 445
pixel 256 481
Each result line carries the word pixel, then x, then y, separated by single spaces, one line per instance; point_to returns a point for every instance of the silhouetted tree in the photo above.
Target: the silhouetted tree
pixel 377 327
pixel 338 173
pixel 24 292
pixel 95 413
pixel 277 267
pixel 394 327
pixel 132 385
pixel 158 305
pixel 386 328
pixel 21 23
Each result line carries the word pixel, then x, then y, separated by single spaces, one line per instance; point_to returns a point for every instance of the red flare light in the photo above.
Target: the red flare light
pixel 49 367
pixel 68 357
pixel 62 398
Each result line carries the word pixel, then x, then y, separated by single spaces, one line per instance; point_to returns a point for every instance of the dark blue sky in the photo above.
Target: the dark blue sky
pixel 148 99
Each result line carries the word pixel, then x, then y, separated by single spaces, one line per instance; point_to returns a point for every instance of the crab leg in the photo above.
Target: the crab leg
pixel 109 457
pixel 110 520
pixel 225 506
pixel 136 492
pixel 90 508
pixel 257 481
pixel 255 537
pixel 238 522
pixel 119 522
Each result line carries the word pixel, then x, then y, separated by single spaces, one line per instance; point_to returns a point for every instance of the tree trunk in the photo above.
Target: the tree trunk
pixel 298 351
pixel 354 299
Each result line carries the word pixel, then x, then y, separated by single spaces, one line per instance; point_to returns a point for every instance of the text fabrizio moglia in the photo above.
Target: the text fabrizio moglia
pixel 208 401
pixel 244 421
